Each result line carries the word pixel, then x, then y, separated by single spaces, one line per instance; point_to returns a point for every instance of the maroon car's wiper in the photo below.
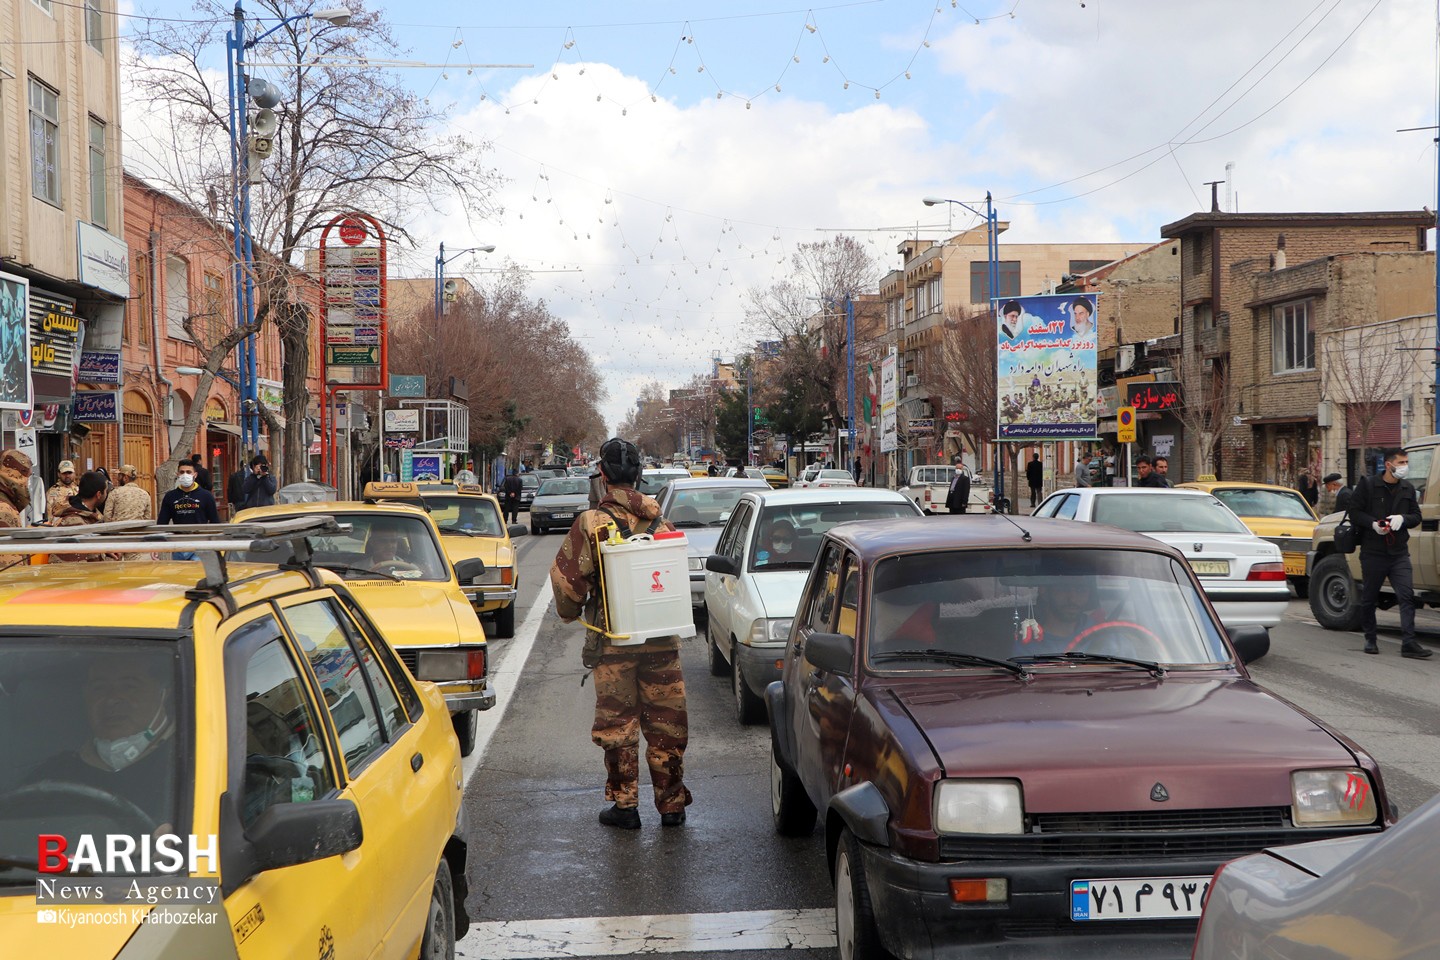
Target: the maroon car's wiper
pixel 1081 656
pixel 950 656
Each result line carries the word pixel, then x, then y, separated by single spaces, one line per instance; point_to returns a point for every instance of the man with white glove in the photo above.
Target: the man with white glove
pixel 1382 508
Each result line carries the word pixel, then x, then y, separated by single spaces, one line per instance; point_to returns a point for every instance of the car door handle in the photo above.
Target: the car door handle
pixel 416 762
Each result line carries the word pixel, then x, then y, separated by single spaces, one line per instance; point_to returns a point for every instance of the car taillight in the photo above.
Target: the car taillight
pixel 507 575
pixel 1267 571
pixel 475 665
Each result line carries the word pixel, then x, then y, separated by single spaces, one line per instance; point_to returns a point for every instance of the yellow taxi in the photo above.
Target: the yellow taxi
pixel 217 759
pixel 471 524
pixel 392 559
pixel 1278 514
pixel 776 477
pixel 699 470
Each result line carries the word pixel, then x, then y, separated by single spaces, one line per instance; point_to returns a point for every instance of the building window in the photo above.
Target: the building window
pixel 1197 254
pixel 44 5
pixel 1009 271
pixel 94 24
pixel 937 295
pixel 177 297
pixel 138 316
pixel 922 300
pixel 97 173
pixel 1204 316
pixel 214 296
pixel 44 142
pixel 1292 339
pixel 1085 266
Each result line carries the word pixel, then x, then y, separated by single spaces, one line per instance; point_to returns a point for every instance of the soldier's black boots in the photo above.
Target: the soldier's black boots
pixel 676 819
pixel 1414 651
pixel 626 818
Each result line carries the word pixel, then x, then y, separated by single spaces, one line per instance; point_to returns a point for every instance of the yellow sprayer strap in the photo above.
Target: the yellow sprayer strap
pixel 597 537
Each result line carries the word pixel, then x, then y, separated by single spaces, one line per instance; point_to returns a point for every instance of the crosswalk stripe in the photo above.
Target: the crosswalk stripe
pixel 656 934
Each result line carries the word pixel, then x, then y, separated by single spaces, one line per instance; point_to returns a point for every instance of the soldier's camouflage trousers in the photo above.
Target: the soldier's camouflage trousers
pixel 642 693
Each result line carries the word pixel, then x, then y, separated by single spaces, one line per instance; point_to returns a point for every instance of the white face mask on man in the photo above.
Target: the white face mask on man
pixel 1401 470
pixel 185 480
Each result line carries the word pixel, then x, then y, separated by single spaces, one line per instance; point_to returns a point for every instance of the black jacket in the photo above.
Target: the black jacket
pixel 259 489
pixel 188 506
pixel 511 486
pixel 959 493
pixel 1154 480
pixel 1374 499
pixel 1034 473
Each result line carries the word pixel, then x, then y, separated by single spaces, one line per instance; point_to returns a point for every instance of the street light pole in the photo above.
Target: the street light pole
pixel 992 272
pixel 243 243
pixel 440 262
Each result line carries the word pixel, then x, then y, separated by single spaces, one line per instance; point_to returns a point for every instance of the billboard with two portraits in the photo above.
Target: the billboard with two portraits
pixel 1045 367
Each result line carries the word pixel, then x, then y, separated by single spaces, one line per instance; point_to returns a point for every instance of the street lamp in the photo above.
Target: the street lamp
pixel 441 293
pixel 992 257
pixel 243 154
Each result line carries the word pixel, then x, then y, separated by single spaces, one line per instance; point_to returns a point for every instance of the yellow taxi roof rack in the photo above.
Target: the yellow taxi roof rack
pixel 208 541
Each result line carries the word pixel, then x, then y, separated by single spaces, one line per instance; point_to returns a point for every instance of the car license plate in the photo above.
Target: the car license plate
pixel 1211 568
pixel 1294 565
pixel 1156 898
pixel 563 516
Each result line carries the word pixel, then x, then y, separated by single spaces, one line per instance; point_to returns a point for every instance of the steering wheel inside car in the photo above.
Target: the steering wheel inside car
pixel 131 817
pixel 1112 625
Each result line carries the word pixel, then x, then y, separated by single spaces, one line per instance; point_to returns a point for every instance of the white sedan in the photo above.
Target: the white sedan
pixel 1243 575
pixel 754 579
pixel 825 478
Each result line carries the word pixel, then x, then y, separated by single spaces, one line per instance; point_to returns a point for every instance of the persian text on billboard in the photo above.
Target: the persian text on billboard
pixel 1045 376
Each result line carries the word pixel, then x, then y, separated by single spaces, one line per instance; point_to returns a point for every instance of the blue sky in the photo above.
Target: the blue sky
pixel 1095 121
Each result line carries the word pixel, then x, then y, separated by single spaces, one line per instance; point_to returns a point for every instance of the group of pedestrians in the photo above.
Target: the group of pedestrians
pixel 95 497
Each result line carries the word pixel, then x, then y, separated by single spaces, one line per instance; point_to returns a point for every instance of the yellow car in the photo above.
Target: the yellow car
pixel 1278 514
pixel 392 559
pixel 699 470
pixel 471 525
pixel 247 728
pixel 776 477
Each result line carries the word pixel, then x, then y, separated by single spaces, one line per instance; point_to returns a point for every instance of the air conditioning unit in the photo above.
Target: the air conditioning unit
pixel 912 380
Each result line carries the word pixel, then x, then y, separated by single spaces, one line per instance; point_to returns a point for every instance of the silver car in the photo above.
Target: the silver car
pixel 1363 896
pixel 700 506
pixel 558 502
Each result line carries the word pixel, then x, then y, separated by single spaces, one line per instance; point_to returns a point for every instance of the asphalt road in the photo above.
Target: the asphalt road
pixel 547 880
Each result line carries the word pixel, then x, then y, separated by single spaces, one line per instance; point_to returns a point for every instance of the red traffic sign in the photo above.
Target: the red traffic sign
pixel 353 232
pixel 1127 416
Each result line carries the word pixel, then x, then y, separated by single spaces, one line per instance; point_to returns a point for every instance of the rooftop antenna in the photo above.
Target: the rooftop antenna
pixel 1214 186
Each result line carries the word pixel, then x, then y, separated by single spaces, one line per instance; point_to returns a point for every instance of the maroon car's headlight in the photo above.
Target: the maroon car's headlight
pixel 1327 798
pixel 979 806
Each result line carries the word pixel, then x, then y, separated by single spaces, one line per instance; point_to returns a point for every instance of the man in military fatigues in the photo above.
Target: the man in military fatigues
pixel 638 688
pixel 129 500
pixel 14 495
pixel 85 508
pixel 60 492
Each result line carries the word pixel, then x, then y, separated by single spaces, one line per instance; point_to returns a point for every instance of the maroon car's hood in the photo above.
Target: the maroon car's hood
pixel 1104 741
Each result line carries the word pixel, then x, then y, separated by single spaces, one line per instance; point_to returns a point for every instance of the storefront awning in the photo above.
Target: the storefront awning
pixel 1261 421
pixel 221 427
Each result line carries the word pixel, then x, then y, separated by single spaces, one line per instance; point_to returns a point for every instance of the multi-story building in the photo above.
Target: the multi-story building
pixel 1252 342
pixel 181 270
pixel 947 281
pixel 64 270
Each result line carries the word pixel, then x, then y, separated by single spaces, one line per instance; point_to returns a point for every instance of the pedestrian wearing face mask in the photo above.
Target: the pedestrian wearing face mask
pixel 1382 510
pixel 188 502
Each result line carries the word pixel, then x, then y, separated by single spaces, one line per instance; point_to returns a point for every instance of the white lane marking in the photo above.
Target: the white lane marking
pixel 673 933
pixel 505 677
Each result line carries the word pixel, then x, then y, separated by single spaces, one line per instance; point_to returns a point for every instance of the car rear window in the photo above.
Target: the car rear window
pixel 471 514
pixel 1166 513
pixel 1008 604
pixel 708 506
pixel 1281 504
pixel 564 488
pixel 806 524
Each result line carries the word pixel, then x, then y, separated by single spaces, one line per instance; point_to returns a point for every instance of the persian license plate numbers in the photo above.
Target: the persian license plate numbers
pixel 1154 898
pixel 1211 568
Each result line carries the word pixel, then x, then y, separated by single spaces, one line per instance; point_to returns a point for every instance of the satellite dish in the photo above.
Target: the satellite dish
pixel 264 93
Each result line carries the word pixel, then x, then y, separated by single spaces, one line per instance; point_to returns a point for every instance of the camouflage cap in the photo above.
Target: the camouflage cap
pixel 17 461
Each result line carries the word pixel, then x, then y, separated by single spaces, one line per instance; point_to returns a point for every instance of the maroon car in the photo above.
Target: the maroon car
pixel 1036 741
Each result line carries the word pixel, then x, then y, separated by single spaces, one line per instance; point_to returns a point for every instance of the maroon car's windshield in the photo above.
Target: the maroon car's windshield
pixel 1008 604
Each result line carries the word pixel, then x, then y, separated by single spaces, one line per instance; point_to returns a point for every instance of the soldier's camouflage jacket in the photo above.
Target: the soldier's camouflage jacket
pixel 573 577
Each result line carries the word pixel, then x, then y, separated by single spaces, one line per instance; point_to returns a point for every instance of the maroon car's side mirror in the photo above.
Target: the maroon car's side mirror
pixel 832 652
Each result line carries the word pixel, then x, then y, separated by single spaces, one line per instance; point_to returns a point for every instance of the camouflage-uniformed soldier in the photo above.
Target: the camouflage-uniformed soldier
pixel 14 495
pixel 82 509
pixel 129 500
pixel 61 490
pixel 638 688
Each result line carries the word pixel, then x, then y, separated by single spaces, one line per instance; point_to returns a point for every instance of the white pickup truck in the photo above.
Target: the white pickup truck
pixel 930 484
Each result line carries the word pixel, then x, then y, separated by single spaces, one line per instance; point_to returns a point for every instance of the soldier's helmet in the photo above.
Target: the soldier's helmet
pixel 620 461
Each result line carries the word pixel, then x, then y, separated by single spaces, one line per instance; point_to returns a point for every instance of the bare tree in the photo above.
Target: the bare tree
pixel 805 314
pixel 1206 412
pixel 1366 368
pixel 351 137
